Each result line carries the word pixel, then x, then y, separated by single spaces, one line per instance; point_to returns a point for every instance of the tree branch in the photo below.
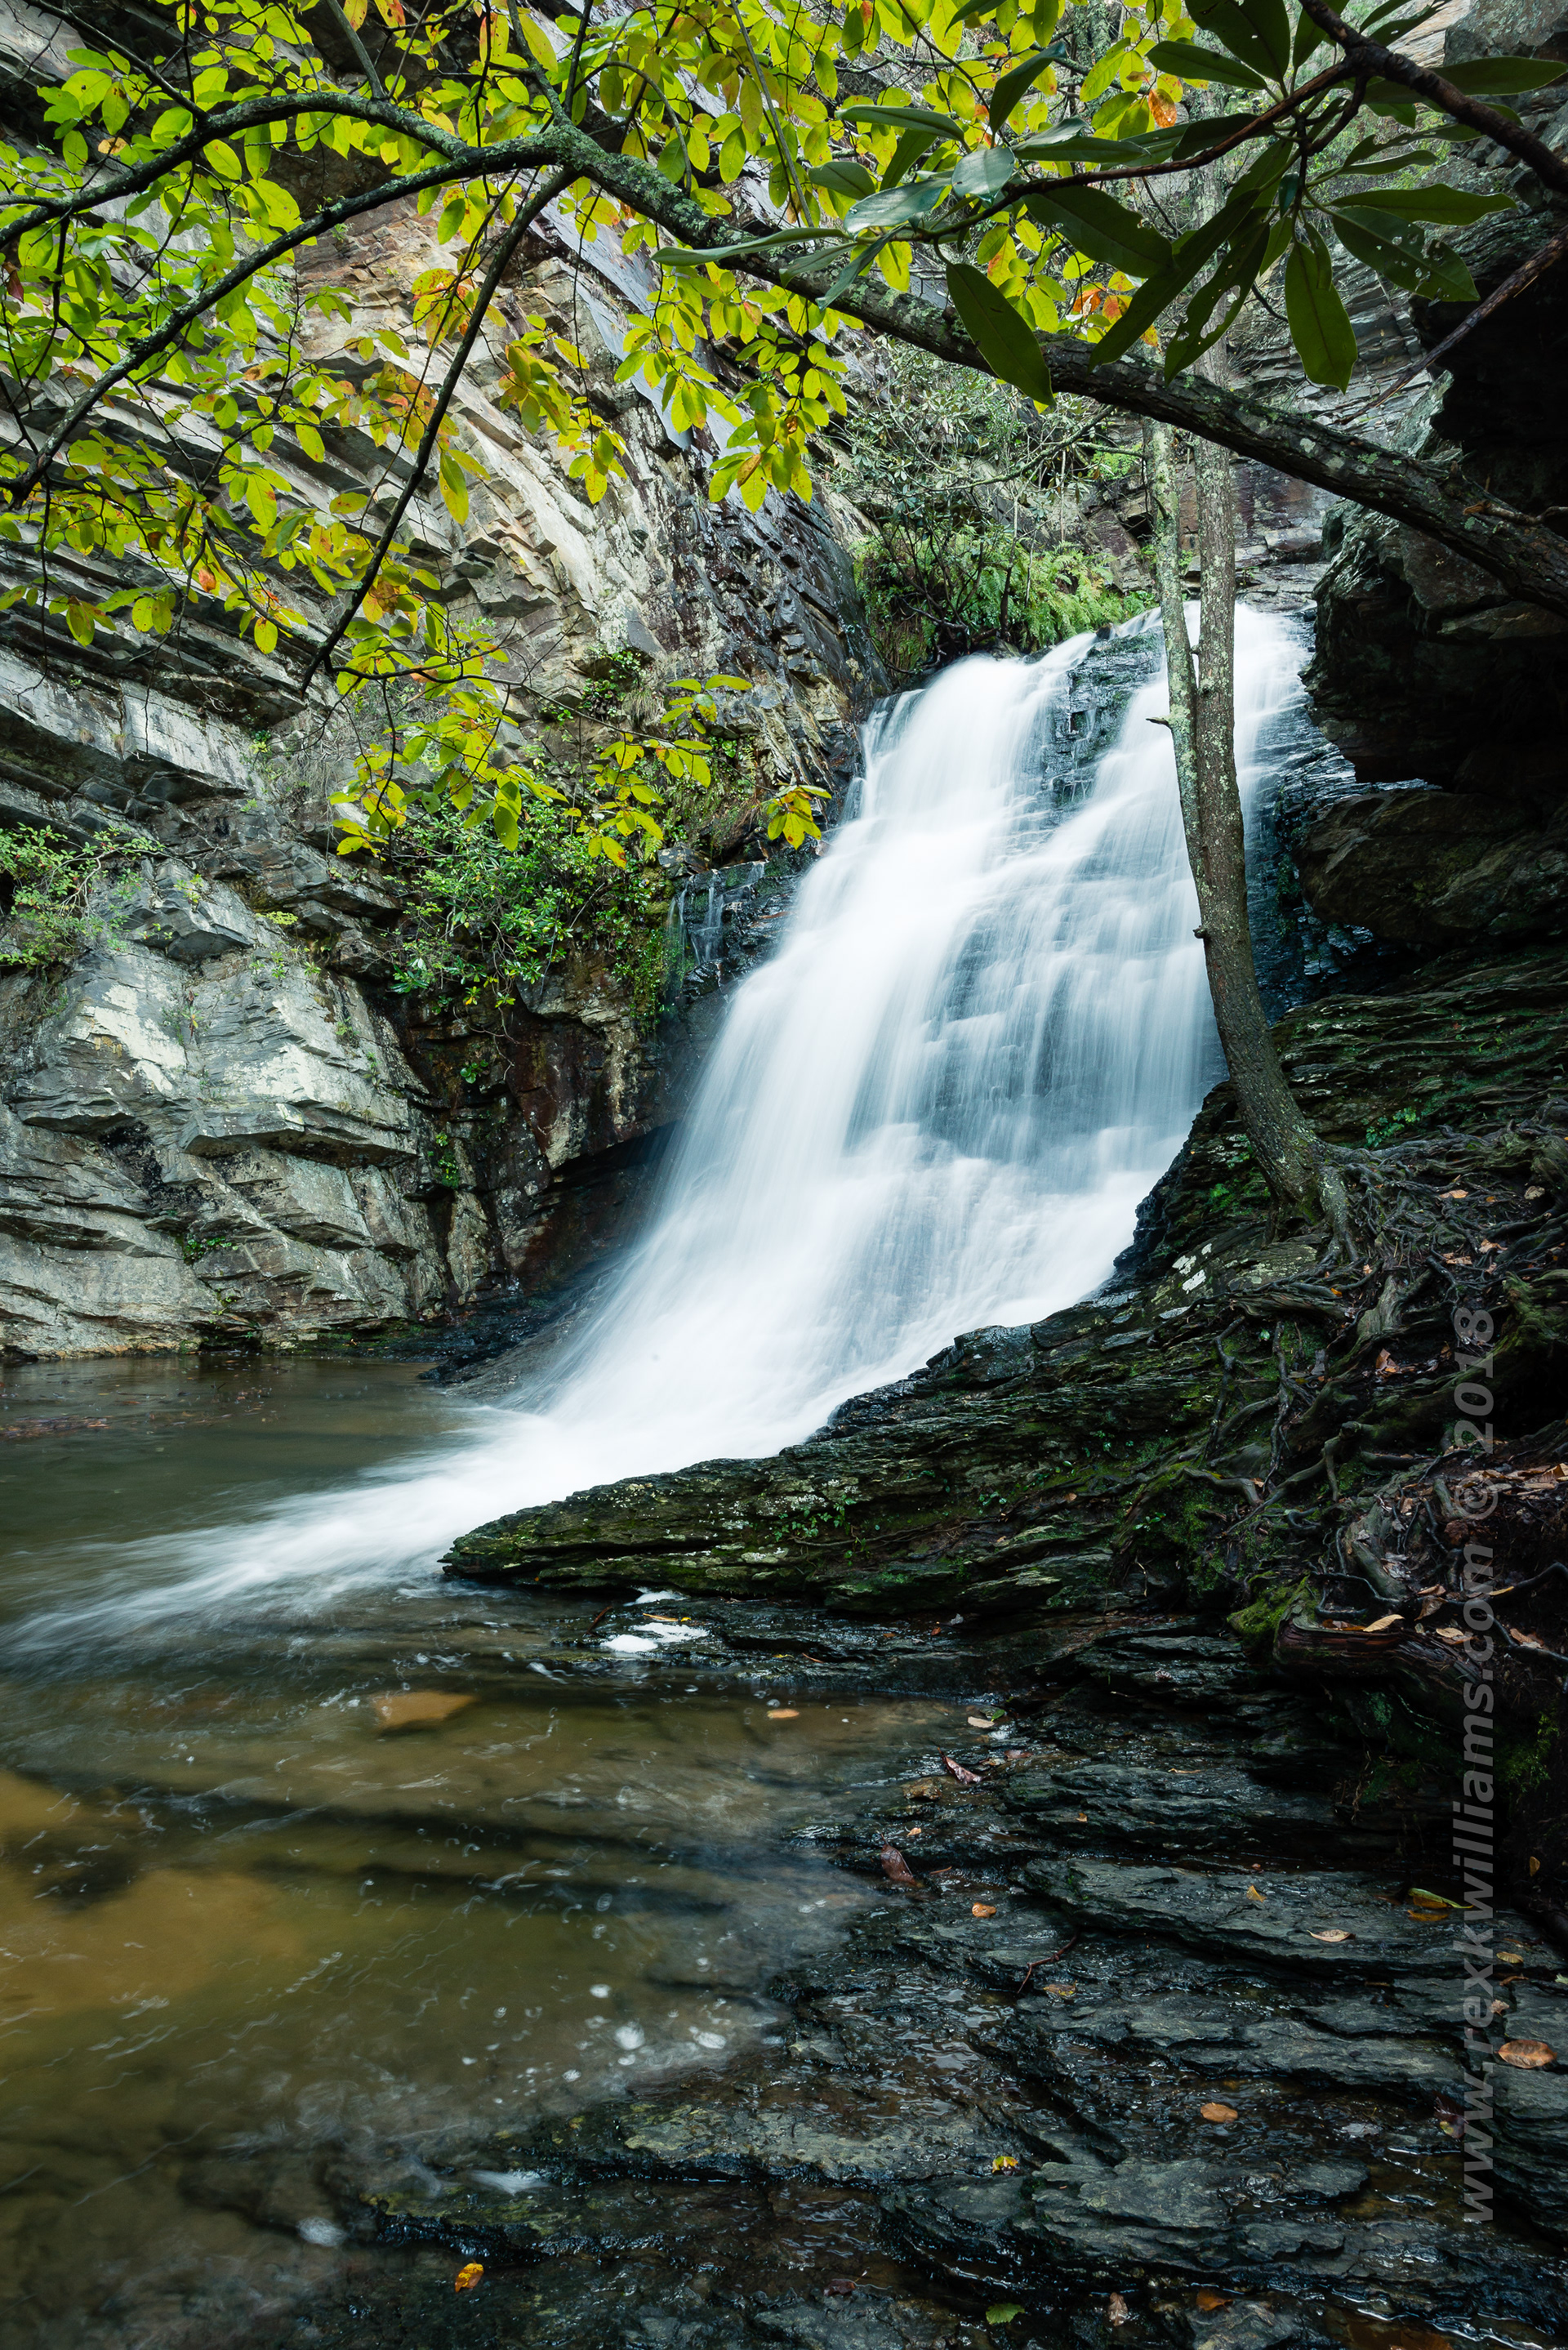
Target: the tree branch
pixel 1371 58
pixel 189 312
pixel 1538 263
pixel 528 214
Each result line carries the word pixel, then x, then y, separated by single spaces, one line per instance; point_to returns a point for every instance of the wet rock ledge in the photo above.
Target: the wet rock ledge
pixel 1152 2032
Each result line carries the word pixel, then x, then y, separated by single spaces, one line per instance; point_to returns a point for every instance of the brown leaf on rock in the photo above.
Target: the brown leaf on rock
pixel 468 2276
pixel 1062 1991
pixel 1331 1934
pixel 1253 1894
pixel 1116 2310
pixel 417 1709
pixel 1215 2112
pixel 965 1778
pixel 982 1910
pixel 896 1868
pixel 784 1714
pixel 1527 2055
pixel 1206 2300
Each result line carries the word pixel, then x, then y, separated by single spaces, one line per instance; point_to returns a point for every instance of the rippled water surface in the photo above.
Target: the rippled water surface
pixel 236 1908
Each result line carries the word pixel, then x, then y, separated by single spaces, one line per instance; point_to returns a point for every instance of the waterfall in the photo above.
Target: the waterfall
pixel 981 1037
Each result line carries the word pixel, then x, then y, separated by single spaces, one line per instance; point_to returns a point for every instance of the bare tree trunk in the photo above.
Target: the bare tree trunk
pixel 1203 736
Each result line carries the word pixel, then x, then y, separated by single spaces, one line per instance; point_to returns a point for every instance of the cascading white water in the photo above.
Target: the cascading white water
pixel 981 1038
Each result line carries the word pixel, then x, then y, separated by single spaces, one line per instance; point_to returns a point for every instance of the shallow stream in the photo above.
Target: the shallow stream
pixel 255 1892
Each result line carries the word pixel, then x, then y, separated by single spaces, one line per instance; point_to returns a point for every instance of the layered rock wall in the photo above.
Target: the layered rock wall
pixel 218 1121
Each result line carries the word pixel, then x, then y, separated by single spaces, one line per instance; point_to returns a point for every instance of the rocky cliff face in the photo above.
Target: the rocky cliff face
pixel 1426 671
pixel 218 1120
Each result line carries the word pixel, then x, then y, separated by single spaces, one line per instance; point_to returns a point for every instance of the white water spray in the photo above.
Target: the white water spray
pixel 983 1036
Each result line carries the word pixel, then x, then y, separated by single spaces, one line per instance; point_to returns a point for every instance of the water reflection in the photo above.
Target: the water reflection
pixel 426 1861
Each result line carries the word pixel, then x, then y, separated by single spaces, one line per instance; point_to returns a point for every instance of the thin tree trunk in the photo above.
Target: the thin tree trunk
pixel 1202 732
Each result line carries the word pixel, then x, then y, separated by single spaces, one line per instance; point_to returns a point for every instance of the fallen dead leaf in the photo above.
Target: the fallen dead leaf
pixel 784 1714
pixel 1511 1957
pixel 468 2276
pixel 1332 1934
pixel 1116 2310
pixel 1527 1641
pixel 1206 2300
pixel 1004 2162
pixel 1384 1624
pixel 1084 1816
pixel 1218 2113
pixel 1253 1894
pixel 1527 2055
pixel 1534 1191
pixel 1453 1195
pixel 982 1721
pixel 982 1910
pixel 965 1778
pixel 1062 1991
pixel 1455 1637
pixel 896 1868
pixel 417 1709
pixel 1534 1866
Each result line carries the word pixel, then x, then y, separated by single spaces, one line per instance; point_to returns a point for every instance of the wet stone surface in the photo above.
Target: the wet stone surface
pixel 991 2092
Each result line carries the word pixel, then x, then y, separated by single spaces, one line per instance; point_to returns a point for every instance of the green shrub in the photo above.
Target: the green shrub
pixel 933 595
pixel 482 922
pixel 46 888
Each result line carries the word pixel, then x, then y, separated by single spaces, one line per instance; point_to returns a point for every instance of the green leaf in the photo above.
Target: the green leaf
pixel 843 177
pixel 1018 78
pixel 1231 24
pixel 1319 321
pixel 676 257
pixel 902 118
pixel 1502 77
pixel 1453 207
pixel 1399 253
pixel 1190 254
pixel 896 207
pixel 909 151
pixel 1100 226
pixel 1195 64
pixel 984 174
pixel 1004 337
pixel 1002 2312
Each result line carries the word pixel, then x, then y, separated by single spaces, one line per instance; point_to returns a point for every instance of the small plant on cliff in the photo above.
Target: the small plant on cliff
pixel 481 924
pixel 934 594
pixel 46 886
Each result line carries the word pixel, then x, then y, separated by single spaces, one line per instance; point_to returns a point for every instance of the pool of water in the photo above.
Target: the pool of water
pixel 306 1867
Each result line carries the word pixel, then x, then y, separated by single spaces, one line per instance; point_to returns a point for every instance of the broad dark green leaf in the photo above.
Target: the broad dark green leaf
pixel 901 117
pixel 1453 207
pixel 1502 77
pixel 907 153
pixel 897 207
pixel 1198 137
pixel 1232 25
pixel 1075 142
pixel 1319 322
pixel 1098 226
pixel 1004 337
pixel 1189 255
pixel 675 256
pixel 1236 276
pixel 1018 78
pixel 984 174
pixel 1195 64
pixel 1400 254
pixel 843 177
pixel 1309 37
